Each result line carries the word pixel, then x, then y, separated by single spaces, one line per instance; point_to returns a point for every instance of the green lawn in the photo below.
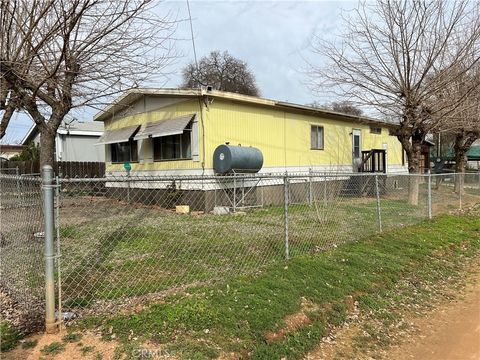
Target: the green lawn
pixel 148 250
pixel 236 316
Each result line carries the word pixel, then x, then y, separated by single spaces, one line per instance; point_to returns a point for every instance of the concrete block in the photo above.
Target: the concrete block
pixel 221 210
pixel 182 209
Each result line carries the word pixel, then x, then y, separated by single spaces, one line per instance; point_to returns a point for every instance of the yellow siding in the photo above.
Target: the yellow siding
pixel 283 137
pixel 179 109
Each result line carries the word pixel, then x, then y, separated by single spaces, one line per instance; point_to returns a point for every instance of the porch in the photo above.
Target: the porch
pixel 373 161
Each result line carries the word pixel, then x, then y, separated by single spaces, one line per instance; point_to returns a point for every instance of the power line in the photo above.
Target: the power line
pixel 193 39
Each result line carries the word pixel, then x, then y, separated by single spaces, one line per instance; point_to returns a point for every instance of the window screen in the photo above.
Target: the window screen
pixel 356 146
pixel 316 137
pixel 375 130
pixel 173 147
pixel 124 151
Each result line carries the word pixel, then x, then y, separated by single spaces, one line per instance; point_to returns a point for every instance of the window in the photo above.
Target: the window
pixel 356 145
pixel 174 147
pixel 124 151
pixel 375 130
pixel 316 137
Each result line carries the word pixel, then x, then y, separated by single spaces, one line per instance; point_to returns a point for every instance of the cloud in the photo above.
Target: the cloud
pixel 273 37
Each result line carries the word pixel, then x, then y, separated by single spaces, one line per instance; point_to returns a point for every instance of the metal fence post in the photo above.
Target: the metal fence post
pixel 478 183
pixel 49 227
pixel 57 226
pixel 128 186
pixel 325 190
pixel 429 179
pixel 460 190
pixel 379 210
pixel 310 189
pixel 285 190
pixel 234 192
pixel 17 174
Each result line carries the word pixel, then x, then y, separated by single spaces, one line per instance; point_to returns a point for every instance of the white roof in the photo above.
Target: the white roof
pixel 78 128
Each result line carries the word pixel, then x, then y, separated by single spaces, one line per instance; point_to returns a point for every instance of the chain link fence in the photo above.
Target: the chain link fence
pixel 22 284
pixel 124 241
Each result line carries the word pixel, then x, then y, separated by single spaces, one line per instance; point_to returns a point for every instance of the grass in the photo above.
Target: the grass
pixel 54 348
pixel 84 350
pixel 164 250
pixel 235 317
pixel 9 337
pixel 72 337
pixel 29 344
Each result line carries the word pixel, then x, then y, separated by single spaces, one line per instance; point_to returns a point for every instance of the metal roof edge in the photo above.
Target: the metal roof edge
pixel 80 132
pixel 132 95
pixel 29 133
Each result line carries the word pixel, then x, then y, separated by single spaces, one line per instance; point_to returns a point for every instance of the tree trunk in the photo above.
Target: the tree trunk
pixel 463 141
pixel 47 148
pixel 460 148
pixel 414 157
pixel 460 162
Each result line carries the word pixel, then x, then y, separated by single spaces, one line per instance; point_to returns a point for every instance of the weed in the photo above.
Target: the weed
pixel 117 353
pixel 29 344
pixel 9 337
pixel 72 337
pixel 84 350
pixel 53 348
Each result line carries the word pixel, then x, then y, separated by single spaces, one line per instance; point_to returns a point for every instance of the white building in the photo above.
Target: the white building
pixel 75 141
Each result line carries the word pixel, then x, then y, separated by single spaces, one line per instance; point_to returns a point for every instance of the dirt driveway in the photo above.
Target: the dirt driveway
pixel 450 332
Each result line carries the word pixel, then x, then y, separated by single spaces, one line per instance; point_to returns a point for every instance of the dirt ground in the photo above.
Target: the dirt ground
pixel 450 332
pixel 73 351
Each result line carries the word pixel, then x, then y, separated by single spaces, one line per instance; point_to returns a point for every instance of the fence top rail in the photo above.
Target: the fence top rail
pixel 25 177
pixel 220 178
pixel 137 177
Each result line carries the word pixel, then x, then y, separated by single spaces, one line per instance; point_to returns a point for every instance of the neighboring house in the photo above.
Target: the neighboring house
pixel 9 150
pixel 473 156
pixel 75 141
pixel 173 131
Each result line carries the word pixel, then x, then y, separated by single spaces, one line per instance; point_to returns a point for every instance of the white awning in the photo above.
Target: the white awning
pixel 117 135
pixel 168 127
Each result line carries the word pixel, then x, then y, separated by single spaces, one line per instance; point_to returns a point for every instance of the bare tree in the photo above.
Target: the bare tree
pixel 398 57
pixel 463 124
pixel 221 71
pixel 59 54
pixel 344 107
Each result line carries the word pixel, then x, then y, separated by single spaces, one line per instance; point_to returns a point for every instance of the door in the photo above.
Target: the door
pixel 356 149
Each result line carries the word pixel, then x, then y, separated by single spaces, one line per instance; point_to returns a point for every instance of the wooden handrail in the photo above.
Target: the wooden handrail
pixel 367 155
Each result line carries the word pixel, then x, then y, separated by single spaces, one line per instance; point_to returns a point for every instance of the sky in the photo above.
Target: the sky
pixel 273 37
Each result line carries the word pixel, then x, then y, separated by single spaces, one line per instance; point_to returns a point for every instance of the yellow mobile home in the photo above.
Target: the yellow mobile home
pixel 175 132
